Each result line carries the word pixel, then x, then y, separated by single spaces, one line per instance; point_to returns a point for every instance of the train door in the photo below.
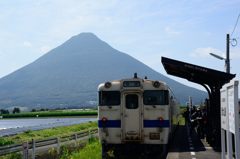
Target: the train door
pixel 132 121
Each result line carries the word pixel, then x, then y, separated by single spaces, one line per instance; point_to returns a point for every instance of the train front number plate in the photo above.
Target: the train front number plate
pixel 154 136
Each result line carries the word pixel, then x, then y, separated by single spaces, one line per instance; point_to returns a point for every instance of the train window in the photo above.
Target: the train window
pixel 131 101
pixel 155 97
pixel 109 98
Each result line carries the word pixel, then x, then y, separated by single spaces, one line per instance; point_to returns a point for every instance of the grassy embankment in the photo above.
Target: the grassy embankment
pixel 46 133
pixel 91 149
pixel 52 113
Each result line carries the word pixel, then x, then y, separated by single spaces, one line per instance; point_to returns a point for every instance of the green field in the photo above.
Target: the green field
pixel 52 113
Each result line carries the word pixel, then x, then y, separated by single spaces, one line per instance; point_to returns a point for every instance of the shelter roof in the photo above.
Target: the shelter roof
pixel 195 73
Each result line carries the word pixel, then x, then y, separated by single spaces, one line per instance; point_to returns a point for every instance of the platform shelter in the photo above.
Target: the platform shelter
pixel 212 80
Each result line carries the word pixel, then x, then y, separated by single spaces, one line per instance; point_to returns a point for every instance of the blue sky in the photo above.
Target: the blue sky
pixel 145 29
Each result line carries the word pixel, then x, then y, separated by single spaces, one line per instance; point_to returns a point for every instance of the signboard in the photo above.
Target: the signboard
pixel 230 119
pixel 224 123
pixel 231 114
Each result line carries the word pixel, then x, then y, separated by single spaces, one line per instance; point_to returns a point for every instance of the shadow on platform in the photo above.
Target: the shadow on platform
pixel 184 141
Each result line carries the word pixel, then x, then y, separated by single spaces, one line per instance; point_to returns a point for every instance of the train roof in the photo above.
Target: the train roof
pixel 118 83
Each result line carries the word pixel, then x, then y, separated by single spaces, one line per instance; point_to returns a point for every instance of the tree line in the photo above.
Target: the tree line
pixel 6 111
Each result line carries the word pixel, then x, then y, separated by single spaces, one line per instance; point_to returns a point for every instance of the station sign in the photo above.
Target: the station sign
pixel 230 120
pixel 224 117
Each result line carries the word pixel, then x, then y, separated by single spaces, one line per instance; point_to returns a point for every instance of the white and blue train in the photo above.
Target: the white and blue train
pixel 136 115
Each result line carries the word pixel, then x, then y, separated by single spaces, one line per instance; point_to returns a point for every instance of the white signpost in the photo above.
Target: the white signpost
pixel 230 119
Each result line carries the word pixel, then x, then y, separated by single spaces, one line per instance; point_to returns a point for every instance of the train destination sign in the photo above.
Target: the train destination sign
pixel 131 84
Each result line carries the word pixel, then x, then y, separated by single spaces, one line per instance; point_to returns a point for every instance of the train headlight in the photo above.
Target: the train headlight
pixel 156 84
pixel 107 85
pixel 104 119
pixel 161 119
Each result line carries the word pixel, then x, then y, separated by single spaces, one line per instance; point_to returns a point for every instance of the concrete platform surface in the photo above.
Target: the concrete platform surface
pixel 186 145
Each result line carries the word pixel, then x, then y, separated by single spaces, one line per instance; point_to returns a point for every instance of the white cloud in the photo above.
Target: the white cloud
pixel 27 44
pixel 204 52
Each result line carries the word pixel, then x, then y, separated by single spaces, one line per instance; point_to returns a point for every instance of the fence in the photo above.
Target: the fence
pixel 35 145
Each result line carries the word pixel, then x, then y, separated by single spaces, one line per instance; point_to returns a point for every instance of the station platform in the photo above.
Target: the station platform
pixel 186 145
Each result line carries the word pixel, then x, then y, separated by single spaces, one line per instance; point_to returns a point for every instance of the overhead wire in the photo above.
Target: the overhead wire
pixel 235 24
pixel 234 40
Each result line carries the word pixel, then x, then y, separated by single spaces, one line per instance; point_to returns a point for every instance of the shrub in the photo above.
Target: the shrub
pixel 5 142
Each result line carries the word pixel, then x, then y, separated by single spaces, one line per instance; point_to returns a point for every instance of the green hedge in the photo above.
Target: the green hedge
pixel 50 114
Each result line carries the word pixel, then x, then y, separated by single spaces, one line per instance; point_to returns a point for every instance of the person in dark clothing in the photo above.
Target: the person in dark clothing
pixel 204 120
pixel 197 122
pixel 200 123
pixel 186 115
pixel 193 117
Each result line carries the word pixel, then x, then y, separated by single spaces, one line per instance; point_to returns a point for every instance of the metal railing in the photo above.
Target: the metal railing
pixel 34 145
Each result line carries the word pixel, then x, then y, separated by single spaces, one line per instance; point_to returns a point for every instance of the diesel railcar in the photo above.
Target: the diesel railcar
pixel 136 115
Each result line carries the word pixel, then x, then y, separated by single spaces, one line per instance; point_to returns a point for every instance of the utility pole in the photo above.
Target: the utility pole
pixel 227 60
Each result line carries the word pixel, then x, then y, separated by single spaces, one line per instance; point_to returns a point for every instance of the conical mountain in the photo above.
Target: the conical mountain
pixel 68 75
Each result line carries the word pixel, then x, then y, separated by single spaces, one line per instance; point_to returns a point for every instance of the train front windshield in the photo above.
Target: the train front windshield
pixel 150 97
pixel 109 98
pixel 156 97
